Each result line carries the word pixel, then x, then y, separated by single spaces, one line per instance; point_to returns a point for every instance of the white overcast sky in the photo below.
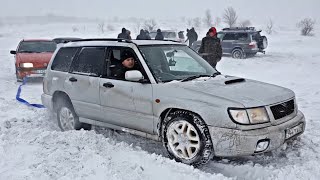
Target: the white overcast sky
pixel 256 10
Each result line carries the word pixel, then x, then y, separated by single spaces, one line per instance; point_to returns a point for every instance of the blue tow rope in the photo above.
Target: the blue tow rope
pixel 24 101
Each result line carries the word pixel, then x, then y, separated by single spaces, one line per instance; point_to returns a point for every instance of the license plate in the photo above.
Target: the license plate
pixel 294 131
pixel 40 71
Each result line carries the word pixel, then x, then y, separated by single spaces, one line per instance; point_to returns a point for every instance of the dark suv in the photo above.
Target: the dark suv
pixel 239 42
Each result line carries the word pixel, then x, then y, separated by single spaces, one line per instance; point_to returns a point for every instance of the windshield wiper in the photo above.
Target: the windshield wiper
pixel 190 78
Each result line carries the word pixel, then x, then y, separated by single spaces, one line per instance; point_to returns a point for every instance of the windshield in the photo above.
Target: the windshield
pixel 175 62
pixel 37 46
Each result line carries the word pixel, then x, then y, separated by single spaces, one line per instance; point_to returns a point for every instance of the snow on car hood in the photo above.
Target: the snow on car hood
pixel 250 93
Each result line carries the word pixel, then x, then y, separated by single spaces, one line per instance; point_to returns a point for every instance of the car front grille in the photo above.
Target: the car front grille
pixel 282 110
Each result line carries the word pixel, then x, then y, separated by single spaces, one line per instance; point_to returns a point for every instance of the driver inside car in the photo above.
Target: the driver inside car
pixel 127 63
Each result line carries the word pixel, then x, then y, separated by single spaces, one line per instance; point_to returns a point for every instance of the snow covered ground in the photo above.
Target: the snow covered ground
pixel 33 147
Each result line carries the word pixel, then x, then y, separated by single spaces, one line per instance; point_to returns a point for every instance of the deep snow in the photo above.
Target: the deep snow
pixel 33 147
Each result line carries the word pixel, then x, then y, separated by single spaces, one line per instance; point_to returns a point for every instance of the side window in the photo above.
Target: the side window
pixel 91 61
pixel 242 36
pixel 229 36
pixel 115 68
pixel 63 59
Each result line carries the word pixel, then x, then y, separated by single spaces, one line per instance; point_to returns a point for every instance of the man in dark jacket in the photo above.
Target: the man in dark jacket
pixel 142 35
pixel 192 36
pixel 159 35
pixel 127 63
pixel 124 34
pixel 210 48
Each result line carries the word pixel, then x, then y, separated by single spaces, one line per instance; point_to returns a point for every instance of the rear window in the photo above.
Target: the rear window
pixel 63 59
pixel 236 36
pixel 37 46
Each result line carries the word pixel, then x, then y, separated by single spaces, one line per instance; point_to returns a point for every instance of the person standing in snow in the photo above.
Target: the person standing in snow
pixel 142 35
pixel 210 48
pixel 192 36
pixel 159 35
pixel 124 34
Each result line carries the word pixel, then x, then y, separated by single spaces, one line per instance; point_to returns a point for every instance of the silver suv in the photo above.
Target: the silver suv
pixel 239 42
pixel 172 95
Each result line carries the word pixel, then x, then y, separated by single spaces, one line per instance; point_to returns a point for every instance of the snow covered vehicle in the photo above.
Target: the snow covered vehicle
pixel 32 57
pixel 172 95
pixel 239 42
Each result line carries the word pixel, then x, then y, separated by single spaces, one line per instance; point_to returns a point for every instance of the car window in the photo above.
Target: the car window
pixel 91 61
pixel 63 59
pixel 220 35
pixel 229 36
pixel 115 69
pixel 242 36
pixel 37 46
pixel 174 62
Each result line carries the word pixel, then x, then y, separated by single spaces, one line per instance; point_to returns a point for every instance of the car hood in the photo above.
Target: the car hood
pixel 34 57
pixel 248 92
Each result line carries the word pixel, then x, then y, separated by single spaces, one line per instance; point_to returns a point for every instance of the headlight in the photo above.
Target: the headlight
pixel 26 65
pixel 239 116
pixel 258 115
pixel 249 116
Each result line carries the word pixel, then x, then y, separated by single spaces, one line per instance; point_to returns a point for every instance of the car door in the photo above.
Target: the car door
pixel 227 42
pixel 82 83
pixel 124 103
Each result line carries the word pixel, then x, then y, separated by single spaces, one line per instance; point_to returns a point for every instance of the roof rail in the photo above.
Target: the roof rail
pixel 239 28
pixel 103 39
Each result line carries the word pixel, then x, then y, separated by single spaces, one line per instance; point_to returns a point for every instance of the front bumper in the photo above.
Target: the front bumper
pixel 233 142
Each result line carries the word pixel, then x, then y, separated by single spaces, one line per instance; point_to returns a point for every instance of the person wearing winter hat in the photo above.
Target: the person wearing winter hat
pixel 127 63
pixel 210 48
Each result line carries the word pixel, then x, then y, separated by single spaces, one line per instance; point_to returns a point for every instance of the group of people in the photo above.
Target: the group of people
pixel 210 48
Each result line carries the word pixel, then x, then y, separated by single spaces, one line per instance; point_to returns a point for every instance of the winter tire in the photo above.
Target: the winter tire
pixel 186 138
pixel 238 54
pixel 263 42
pixel 67 118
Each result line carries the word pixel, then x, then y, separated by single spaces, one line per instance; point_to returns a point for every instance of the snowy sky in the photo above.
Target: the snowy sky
pixel 256 10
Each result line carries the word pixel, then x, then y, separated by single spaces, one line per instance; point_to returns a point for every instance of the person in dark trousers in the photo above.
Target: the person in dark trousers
pixel 159 35
pixel 210 48
pixel 192 36
pixel 142 35
pixel 127 63
pixel 124 34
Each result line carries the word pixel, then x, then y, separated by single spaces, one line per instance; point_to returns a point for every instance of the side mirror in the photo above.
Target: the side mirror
pixel 134 75
pixel 13 52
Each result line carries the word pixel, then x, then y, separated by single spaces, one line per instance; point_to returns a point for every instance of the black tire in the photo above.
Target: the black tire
pixel 18 78
pixel 205 152
pixel 77 125
pixel 238 54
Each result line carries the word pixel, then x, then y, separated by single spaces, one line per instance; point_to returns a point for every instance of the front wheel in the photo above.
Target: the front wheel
pixel 67 118
pixel 186 138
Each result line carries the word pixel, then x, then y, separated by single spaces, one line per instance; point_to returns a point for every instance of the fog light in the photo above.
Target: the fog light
pixel 262 145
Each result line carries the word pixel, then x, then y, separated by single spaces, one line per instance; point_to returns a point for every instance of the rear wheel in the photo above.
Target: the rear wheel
pixel 67 118
pixel 186 138
pixel 238 54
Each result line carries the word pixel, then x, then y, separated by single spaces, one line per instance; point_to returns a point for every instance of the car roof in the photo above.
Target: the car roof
pixel 114 42
pixel 36 40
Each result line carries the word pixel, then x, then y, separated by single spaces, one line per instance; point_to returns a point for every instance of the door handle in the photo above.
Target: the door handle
pixel 73 79
pixel 108 85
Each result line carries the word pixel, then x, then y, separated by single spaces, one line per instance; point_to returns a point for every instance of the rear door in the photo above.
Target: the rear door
pixel 82 83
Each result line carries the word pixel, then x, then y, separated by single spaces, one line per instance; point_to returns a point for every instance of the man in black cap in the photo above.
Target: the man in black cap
pixel 159 35
pixel 127 63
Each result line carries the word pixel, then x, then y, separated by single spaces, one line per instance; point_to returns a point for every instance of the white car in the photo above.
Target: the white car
pixel 172 95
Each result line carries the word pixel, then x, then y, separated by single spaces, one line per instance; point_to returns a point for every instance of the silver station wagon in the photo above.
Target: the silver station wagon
pixel 171 95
